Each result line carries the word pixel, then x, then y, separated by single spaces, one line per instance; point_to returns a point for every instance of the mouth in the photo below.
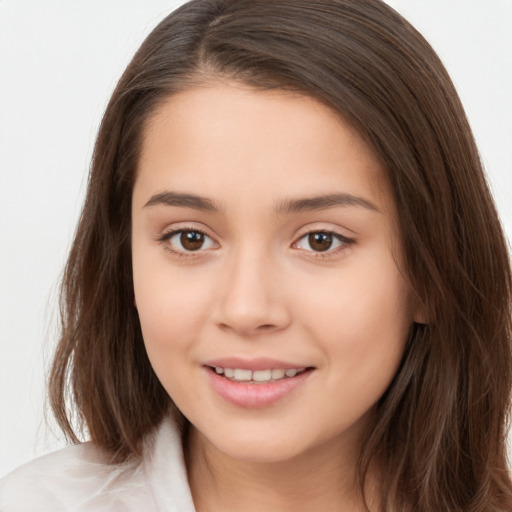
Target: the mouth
pixel 263 376
pixel 257 384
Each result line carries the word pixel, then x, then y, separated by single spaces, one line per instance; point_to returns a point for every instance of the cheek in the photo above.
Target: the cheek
pixel 172 311
pixel 362 322
pixel 171 316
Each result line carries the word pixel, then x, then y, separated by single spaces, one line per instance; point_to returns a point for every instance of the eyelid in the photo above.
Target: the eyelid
pixel 346 242
pixel 176 227
pixel 172 231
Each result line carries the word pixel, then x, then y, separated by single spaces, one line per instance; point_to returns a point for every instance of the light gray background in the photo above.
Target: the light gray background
pixel 59 62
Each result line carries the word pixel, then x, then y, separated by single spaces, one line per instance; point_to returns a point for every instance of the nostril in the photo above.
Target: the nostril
pixel 244 329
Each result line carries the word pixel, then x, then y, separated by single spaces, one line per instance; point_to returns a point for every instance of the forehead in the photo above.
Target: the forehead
pixel 228 138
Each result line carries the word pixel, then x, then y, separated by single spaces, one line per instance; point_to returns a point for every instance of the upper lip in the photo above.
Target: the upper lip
pixel 260 363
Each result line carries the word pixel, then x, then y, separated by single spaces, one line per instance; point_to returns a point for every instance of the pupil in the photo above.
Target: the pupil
pixel 320 241
pixel 192 240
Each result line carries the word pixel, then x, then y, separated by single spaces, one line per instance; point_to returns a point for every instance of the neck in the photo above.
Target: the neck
pixel 323 479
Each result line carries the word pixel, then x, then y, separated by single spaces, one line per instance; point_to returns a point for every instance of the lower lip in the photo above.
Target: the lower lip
pixel 255 395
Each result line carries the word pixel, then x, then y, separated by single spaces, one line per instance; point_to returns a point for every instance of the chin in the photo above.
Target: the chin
pixel 261 452
pixel 258 445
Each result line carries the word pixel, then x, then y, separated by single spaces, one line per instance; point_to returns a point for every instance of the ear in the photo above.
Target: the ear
pixel 419 312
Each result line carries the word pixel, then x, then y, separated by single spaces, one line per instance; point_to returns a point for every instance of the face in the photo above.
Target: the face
pixel 266 270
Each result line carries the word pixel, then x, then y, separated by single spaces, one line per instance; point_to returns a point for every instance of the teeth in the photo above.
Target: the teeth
pixel 278 374
pixel 243 375
pixel 262 375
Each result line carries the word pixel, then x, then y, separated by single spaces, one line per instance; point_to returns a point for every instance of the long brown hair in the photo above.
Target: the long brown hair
pixel 440 428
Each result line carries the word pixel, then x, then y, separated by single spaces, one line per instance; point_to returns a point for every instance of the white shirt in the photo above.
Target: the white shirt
pixel 78 479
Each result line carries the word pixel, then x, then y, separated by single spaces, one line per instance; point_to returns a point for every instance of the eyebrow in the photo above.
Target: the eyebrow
pixel 303 204
pixel 323 202
pixel 183 200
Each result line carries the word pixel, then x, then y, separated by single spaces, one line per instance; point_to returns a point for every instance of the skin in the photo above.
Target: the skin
pixel 257 287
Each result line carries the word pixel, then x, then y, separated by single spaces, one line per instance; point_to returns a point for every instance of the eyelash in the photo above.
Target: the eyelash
pixel 344 241
pixel 166 237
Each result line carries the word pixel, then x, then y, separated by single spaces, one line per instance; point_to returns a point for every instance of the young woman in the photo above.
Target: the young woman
pixel 289 288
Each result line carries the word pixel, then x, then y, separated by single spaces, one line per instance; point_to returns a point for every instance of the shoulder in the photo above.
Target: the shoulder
pixel 76 478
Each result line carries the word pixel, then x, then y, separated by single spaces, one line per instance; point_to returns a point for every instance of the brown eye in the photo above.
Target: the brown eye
pixel 188 240
pixel 192 240
pixel 320 242
pixel 323 241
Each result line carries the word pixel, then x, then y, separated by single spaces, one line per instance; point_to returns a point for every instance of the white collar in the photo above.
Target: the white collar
pixel 164 466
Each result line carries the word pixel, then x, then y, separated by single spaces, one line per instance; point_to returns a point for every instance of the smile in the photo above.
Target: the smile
pixel 257 387
pixel 257 376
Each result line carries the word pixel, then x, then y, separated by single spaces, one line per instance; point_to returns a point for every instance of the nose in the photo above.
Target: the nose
pixel 252 298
